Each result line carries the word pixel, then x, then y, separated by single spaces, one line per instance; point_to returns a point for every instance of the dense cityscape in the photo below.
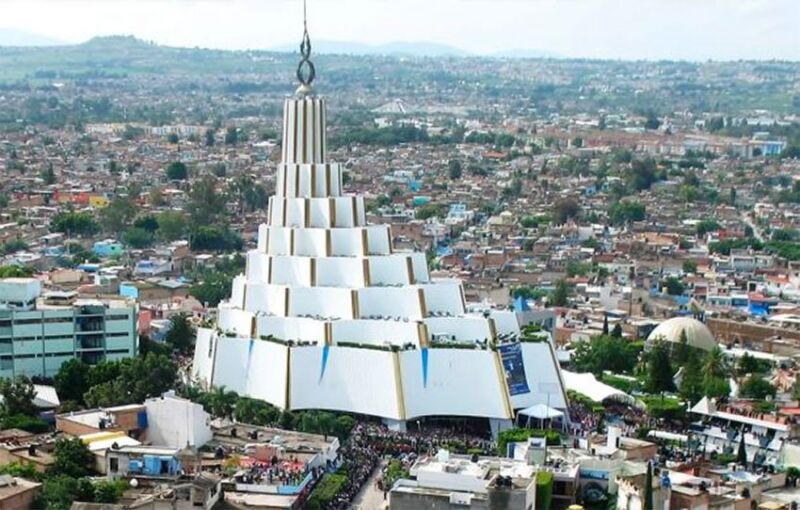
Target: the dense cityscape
pixel 405 282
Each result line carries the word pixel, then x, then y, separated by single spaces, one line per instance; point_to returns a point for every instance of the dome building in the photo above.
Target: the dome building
pixel 697 333
pixel 328 315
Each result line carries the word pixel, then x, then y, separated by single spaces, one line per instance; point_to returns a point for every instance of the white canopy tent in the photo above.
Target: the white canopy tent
pixel 539 412
pixel 587 384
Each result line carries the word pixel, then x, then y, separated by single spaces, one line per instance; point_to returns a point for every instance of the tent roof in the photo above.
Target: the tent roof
pixel 541 412
pixel 587 384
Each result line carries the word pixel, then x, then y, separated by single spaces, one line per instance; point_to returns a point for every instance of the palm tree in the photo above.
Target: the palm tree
pixel 222 402
pixel 325 424
pixel 715 363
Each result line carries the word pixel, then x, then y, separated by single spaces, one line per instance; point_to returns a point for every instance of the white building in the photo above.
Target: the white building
pixel 328 315
pixel 177 422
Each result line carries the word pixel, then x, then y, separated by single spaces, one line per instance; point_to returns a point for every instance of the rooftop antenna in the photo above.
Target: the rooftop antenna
pixel 305 69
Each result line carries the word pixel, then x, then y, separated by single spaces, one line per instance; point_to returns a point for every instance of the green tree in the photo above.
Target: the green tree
pixel 172 225
pixel 344 424
pixel 748 365
pixel 173 138
pixel 60 491
pixel 454 169
pixel 138 238
pixel 72 458
pixel 707 226
pixel 659 369
pixel 674 286
pixel 565 209
pixel 213 288
pixel 21 469
pixel 18 395
pixel 48 175
pixel 256 412
pixel 716 387
pixel 31 424
pixel 691 387
pixel 210 137
pixel 741 453
pixel 689 266
pixel 715 374
pixel 757 388
pixel 73 223
pixel 681 352
pixel 71 380
pixel 560 294
pixel 215 239
pixel 117 215
pixel 326 424
pixel 429 211
pixel 626 211
pixel 606 353
pixel 206 205
pixel 714 363
pixel 147 222
pixel 109 492
pixel 129 385
pixel 222 402
pixel 616 332
pixel 605 325
pixel 15 271
pixel 544 490
pixel 231 136
pixel 177 171
pixel 652 122
pixel 181 334
pixel 249 194
pixel 642 174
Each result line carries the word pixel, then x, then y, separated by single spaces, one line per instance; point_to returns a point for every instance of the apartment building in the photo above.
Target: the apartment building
pixel 35 338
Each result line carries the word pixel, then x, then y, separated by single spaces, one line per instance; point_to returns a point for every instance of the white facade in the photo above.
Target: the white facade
pixel 328 316
pixel 176 422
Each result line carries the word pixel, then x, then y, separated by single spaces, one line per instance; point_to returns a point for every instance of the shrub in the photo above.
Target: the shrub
pixel 544 490
pixel 620 383
pixel 24 422
pixel 665 408
pixel 553 438
pixel 327 489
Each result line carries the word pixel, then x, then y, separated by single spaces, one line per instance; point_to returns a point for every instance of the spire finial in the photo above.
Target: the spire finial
pixel 305 70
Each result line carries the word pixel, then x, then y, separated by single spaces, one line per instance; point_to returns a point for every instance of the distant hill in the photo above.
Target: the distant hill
pixel 12 37
pixel 413 49
pixel 523 53
pixel 109 42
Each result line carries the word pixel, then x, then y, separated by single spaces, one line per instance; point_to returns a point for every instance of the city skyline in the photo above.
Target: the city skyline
pixel 605 29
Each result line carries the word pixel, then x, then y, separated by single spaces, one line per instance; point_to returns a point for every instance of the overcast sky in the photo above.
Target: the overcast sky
pixel 626 29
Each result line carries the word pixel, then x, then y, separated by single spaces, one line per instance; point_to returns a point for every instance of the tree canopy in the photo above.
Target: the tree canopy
pixel 177 171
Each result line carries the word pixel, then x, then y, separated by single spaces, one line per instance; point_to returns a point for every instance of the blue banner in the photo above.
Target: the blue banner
pixel 514 367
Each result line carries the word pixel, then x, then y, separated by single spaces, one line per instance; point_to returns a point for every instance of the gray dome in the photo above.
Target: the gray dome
pixel 697 333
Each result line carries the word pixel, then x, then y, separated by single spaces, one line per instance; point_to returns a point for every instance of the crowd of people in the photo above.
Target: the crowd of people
pixel 583 419
pixel 280 472
pixel 370 443
pixel 427 441
pixel 358 459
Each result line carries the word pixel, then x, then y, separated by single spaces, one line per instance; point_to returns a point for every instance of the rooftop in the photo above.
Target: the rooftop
pixel 11 486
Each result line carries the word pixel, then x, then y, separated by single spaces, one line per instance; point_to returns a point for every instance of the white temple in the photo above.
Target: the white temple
pixel 329 316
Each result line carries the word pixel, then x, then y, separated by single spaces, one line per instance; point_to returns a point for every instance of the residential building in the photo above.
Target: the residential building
pixel 444 482
pixel 36 338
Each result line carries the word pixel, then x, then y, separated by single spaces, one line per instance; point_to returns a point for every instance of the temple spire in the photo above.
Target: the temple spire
pixel 305 69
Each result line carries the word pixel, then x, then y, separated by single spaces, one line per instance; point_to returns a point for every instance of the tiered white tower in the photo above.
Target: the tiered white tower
pixel 329 316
